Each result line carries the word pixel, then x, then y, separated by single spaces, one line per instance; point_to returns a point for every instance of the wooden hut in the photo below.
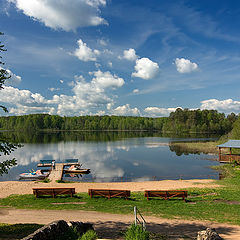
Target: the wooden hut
pixel 226 153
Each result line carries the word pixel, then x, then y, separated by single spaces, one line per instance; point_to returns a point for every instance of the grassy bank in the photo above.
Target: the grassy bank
pixel 218 204
pixel 195 147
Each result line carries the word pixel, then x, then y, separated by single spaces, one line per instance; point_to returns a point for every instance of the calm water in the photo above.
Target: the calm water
pixel 113 156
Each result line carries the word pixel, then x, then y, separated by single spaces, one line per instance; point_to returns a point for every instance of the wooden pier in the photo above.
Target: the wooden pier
pixel 50 164
pixel 57 169
pixel 57 172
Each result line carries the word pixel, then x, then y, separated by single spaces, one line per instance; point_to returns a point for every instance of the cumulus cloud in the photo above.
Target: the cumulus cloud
pixel 129 54
pixel 185 66
pixel 226 106
pixel 106 80
pixel 145 68
pixel 13 80
pixel 158 112
pixel 86 97
pixel 84 53
pixel 126 110
pixel 66 15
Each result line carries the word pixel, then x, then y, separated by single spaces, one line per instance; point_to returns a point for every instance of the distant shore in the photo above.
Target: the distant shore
pixel 16 187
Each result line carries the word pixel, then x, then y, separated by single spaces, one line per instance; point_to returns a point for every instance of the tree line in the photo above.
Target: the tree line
pixel 180 121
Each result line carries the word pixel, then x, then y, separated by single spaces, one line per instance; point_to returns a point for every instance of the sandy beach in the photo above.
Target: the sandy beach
pixel 16 187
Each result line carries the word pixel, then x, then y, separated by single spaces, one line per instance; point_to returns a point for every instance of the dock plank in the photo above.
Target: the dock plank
pixel 56 174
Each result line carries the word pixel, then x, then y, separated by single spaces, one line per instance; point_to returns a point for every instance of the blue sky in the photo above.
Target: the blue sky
pixel 144 58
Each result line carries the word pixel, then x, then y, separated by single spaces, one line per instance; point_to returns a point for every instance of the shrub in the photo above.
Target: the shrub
pixel 89 235
pixel 136 232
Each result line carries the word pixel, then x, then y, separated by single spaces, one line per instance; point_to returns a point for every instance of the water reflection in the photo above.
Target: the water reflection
pixel 111 156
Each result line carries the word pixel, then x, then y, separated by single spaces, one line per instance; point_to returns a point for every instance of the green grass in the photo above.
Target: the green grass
pixel 8 231
pixel 215 204
pixel 89 235
pixel 197 147
pixel 136 232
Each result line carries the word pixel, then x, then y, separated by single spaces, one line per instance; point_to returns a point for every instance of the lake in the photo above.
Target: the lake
pixel 113 156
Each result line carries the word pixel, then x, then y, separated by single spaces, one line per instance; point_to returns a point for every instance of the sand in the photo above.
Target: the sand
pixel 16 187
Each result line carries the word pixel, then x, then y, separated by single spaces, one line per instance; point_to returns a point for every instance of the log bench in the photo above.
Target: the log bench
pixel 109 193
pixel 166 194
pixel 53 191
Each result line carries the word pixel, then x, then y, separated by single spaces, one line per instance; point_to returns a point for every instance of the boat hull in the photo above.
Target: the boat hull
pixel 78 171
pixel 29 176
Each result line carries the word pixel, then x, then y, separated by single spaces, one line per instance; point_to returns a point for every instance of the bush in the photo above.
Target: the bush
pixel 136 232
pixel 89 235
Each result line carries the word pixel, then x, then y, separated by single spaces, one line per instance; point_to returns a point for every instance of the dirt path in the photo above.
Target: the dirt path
pixel 111 225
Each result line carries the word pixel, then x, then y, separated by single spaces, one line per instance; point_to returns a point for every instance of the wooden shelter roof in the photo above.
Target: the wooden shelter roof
pixel 230 144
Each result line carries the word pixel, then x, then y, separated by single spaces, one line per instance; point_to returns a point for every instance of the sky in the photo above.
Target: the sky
pixel 120 57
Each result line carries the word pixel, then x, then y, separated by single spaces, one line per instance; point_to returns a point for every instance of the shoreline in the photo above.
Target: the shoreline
pixel 8 188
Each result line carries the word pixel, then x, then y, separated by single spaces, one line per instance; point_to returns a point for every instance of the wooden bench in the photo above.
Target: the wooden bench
pixel 166 194
pixel 53 191
pixel 109 193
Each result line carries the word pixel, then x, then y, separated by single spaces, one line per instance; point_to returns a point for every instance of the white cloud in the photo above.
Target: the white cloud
pixel 136 90
pixel 145 68
pixel 100 113
pixel 87 97
pixel 53 89
pixel 185 66
pixel 125 110
pixel 13 80
pixel 84 53
pixel 159 112
pixel 66 15
pixel 109 106
pixel 97 65
pixel 110 64
pixel 61 81
pixel 106 80
pixel 103 42
pixel 129 54
pixel 226 106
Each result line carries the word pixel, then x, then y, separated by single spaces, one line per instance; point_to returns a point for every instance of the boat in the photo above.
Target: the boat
pixel 35 175
pixel 78 171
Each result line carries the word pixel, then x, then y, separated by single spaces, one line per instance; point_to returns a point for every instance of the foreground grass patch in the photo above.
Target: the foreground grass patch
pixel 218 204
pixel 17 230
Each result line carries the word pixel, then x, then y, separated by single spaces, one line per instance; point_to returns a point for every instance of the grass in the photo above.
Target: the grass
pixel 197 147
pixel 89 235
pixel 215 204
pixel 17 231
pixel 8 231
pixel 136 232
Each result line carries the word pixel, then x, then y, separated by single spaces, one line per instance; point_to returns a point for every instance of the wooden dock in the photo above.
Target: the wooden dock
pixel 50 164
pixel 57 173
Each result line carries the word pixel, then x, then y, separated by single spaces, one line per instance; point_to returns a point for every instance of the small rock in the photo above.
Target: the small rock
pixel 208 234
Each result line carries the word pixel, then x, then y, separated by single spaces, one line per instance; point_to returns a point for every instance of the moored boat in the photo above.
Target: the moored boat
pixel 36 175
pixel 78 171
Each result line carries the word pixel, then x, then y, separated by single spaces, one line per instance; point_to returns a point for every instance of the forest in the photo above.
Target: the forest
pixel 180 121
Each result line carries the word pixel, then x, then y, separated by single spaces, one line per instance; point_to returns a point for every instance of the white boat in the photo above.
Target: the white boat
pixel 76 169
pixel 36 175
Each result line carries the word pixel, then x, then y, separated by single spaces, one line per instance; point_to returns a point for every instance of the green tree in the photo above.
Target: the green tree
pixel 5 147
